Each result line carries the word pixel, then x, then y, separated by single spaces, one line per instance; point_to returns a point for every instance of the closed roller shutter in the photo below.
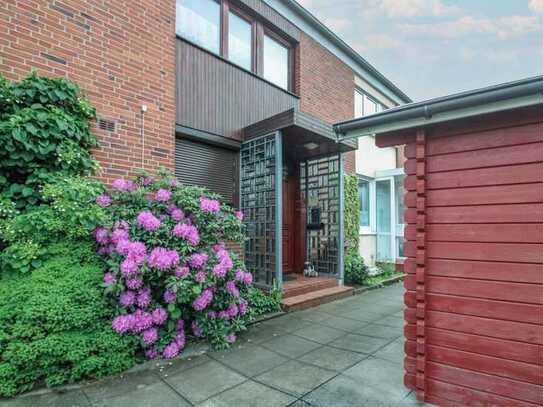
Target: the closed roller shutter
pixel 207 166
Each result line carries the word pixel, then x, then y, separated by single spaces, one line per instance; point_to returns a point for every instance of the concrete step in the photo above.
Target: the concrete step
pixel 304 286
pixel 314 298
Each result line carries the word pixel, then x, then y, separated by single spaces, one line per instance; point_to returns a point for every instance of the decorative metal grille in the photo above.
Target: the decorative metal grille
pixel 320 187
pixel 258 203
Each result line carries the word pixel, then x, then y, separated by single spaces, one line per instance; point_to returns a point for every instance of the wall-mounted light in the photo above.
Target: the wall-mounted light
pixel 311 146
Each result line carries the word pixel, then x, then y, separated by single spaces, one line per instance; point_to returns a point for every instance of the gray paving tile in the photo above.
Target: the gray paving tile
pixel 204 381
pixel 287 323
pixel 343 391
pixel 332 358
pixel 249 359
pixel 313 315
pixel 363 315
pixel 74 398
pixel 158 394
pixel 259 333
pixel 290 345
pixel 121 385
pixel 380 374
pixel 249 394
pixel 176 366
pixel 359 343
pixel 319 333
pixel 393 352
pixel 411 401
pixel 345 324
pixel 380 331
pixel 295 378
pixel 391 321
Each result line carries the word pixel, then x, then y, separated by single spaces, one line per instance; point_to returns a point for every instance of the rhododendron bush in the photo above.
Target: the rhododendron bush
pixel 168 270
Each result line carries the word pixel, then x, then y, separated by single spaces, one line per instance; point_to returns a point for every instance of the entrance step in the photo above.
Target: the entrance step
pixel 314 298
pixel 400 265
pixel 303 285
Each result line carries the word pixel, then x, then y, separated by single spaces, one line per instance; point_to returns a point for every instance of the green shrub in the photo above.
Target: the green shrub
pixel 68 214
pixel 262 302
pixel 55 325
pixel 44 128
pixel 352 214
pixel 356 270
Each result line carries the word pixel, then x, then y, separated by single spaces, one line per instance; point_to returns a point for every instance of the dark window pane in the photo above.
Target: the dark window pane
pixel 199 21
pixel 239 41
pixel 275 62
pixel 364 195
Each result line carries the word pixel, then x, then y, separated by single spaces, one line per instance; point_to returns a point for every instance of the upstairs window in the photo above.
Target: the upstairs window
pixel 276 62
pixel 240 41
pixel 365 105
pixel 199 21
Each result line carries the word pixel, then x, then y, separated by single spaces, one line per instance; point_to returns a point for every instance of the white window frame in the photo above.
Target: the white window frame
pixel 369 230
pixel 379 107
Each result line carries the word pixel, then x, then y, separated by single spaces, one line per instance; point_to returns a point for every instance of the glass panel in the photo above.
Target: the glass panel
pixel 239 41
pixel 199 21
pixel 399 192
pixel 370 107
pixel 364 196
pixel 275 62
pixel 384 221
pixel 358 104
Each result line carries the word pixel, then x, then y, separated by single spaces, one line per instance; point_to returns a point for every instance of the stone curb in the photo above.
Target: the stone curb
pixel 384 283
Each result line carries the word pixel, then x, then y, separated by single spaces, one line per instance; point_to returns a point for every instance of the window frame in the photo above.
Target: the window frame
pixel 259 29
pixel 369 229
pixel 379 107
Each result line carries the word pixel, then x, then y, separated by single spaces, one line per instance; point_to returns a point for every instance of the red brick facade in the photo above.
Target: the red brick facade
pixel 122 53
pixel 325 85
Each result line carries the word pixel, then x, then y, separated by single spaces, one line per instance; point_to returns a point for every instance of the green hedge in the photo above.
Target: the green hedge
pixel 352 214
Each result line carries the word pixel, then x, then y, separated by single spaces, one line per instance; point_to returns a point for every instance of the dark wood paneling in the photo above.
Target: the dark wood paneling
pixel 271 16
pixel 218 97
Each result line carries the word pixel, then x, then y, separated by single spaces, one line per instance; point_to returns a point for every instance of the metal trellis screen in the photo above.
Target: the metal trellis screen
pixel 258 202
pixel 320 188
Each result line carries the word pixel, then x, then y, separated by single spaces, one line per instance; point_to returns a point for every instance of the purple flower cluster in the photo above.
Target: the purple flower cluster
pixel 162 258
pixel 231 289
pixel 244 277
pixel 109 278
pixel 163 195
pixel 103 200
pixel 197 260
pixel 182 271
pixel 169 296
pixel 187 232
pixel 203 300
pixel 148 221
pixel 225 263
pixel 196 330
pixel 209 205
pixel 101 235
pixel 121 184
pixel 239 215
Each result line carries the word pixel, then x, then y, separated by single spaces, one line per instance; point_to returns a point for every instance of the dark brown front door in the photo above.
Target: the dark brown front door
pixel 290 184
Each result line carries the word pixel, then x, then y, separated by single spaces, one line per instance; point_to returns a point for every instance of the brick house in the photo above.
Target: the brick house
pixel 228 94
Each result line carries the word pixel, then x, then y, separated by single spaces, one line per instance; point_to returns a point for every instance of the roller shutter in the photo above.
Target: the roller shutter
pixel 207 166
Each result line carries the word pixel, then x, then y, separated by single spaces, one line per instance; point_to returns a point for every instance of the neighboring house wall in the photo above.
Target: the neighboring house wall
pixel 122 55
pixel 325 85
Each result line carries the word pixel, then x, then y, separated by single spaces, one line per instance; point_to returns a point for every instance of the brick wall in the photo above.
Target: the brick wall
pixel 122 53
pixel 325 85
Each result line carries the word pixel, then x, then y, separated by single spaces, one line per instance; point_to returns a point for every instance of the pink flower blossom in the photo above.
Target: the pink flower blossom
pixel 177 215
pixel 148 221
pixel 151 353
pixel 243 307
pixel 150 336
pixel 123 323
pixel 182 272
pixel 209 205
pixel 232 289
pixel 129 267
pixel 170 296
pixel 127 298
pixel 200 277
pixel 232 311
pixel 203 300
pixel 109 278
pixel 142 321
pixel 239 215
pixel 159 316
pixel 187 232
pixel 121 184
pixel 103 200
pixel 119 235
pixel 231 338
pixel 101 235
pixel 134 283
pixel 225 263
pixel 171 350
pixel 244 277
pixel 163 195
pixel 144 298
pixel 197 260
pixel 162 258
pixel 146 181
pixel 196 330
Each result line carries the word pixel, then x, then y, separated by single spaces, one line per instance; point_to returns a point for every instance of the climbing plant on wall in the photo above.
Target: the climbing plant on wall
pixel 352 214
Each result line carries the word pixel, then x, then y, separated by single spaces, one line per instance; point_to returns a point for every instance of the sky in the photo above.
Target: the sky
pixel 431 48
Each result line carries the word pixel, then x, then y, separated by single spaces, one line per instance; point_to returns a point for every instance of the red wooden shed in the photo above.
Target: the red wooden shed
pixel 474 242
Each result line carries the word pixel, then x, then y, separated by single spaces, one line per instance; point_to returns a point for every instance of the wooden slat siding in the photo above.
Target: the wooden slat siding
pixel 462 396
pixel 510 350
pixel 483 274
pixel 217 97
pixel 272 17
pixel 514 389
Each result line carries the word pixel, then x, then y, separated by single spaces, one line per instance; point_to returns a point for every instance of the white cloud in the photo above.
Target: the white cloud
pixel 415 8
pixel 536 6
pixel 337 24
pixel 502 27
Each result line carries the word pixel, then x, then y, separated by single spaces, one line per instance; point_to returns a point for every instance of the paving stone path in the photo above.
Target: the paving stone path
pixel 347 353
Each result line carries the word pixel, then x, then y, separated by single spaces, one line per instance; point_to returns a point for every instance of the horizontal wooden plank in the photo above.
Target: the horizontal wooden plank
pixel 503 137
pixel 501 348
pixel 410 348
pixel 498 233
pixel 482 307
pixel 445 394
pixel 495 157
pixel 493 195
pixel 510 369
pixel 515 272
pixel 493 328
pixel 500 386
pixel 410 381
pixel 508 252
pixel 511 174
pixel 410 331
pixel 518 213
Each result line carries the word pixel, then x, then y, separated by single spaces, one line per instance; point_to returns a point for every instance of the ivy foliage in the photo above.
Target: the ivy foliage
pixel 44 131
pixel 352 214
pixel 55 323
pixel 262 302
